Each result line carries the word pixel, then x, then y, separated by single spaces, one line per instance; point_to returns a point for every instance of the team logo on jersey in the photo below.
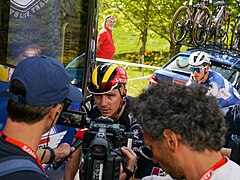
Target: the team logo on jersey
pixel 234 136
pixel 158 171
pixel 52 138
pixel 136 133
pixel 24 8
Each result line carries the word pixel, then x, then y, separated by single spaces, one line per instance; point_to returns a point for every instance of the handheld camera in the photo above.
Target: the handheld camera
pixel 101 146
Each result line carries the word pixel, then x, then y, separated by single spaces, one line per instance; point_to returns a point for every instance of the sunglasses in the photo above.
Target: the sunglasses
pixel 146 151
pixel 197 69
pixel 104 87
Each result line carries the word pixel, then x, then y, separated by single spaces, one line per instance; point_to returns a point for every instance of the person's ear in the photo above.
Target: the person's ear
pixel 55 111
pixel 125 91
pixel 124 94
pixel 171 139
pixel 207 68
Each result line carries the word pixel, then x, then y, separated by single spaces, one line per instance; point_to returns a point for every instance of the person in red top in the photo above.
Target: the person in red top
pixel 105 44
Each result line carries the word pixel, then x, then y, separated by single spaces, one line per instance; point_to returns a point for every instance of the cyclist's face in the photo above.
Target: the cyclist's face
pixel 108 103
pixel 198 72
pixel 110 23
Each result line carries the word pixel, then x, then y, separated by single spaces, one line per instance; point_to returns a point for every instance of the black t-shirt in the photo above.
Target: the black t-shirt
pixel 6 150
pixel 145 167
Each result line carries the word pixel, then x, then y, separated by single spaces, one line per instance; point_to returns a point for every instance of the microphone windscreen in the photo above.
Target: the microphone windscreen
pixel 80 133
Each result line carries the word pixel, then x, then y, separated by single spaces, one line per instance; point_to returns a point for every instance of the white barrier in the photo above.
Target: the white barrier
pixel 126 63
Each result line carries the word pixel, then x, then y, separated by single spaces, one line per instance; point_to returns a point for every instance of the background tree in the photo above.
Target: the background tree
pixel 162 14
pixel 145 17
pixel 150 18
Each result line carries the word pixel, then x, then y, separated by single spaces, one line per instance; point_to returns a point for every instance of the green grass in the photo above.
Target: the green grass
pixel 136 86
pixel 128 41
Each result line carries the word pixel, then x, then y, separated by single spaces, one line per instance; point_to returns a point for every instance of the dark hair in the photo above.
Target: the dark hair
pixel 186 110
pixel 24 112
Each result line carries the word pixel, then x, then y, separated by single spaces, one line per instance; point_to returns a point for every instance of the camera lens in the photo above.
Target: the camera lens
pixel 97 148
pixel 146 151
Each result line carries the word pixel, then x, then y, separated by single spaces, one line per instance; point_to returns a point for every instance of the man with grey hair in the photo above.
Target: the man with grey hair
pixel 105 44
pixel 185 129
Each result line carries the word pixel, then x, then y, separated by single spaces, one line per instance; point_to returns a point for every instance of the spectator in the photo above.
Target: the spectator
pixel 109 98
pixel 105 44
pixel 227 96
pixel 38 89
pixel 185 129
pixel 30 51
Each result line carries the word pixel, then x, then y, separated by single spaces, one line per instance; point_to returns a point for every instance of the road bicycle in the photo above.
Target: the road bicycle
pixel 217 28
pixel 235 39
pixel 182 21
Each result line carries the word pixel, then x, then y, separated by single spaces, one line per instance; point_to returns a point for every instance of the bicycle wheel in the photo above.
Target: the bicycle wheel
pixel 180 25
pixel 235 39
pixel 201 26
pixel 222 28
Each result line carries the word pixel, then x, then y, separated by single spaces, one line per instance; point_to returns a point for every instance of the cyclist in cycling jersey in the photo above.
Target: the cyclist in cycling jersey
pixel 109 98
pixel 227 96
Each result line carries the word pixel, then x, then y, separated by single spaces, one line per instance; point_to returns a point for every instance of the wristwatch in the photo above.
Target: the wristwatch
pixel 52 155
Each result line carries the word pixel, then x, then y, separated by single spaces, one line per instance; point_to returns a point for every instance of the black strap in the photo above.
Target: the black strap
pixel 52 155
pixel 128 172
pixel 44 152
pixel 15 165
pixel 16 98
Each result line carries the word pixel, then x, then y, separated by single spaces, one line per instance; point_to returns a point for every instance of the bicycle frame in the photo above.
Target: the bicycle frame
pixel 235 39
pixel 218 30
pixel 220 12
pixel 184 26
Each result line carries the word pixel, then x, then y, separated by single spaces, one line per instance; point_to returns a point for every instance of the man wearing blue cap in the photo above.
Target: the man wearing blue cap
pixel 38 89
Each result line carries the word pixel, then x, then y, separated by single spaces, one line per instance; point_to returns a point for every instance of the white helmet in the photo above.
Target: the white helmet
pixel 198 58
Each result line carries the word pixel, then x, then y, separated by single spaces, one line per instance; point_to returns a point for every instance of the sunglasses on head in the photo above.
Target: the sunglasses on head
pixel 197 69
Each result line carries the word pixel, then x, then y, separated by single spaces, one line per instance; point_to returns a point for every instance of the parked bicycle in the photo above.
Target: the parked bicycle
pixel 217 29
pixel 235 39
pixel 182 21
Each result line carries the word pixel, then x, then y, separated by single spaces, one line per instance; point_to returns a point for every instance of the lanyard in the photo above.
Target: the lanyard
pixel 25 148
pixel 209 173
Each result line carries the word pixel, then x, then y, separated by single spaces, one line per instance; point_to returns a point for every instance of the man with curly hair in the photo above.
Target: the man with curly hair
pixel 185 129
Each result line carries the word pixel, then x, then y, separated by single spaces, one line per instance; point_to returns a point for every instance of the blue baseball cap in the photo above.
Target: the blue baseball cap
pixel 46 82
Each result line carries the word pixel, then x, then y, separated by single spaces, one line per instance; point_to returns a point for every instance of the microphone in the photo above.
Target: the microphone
pixel 80 133
pixel 79 140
